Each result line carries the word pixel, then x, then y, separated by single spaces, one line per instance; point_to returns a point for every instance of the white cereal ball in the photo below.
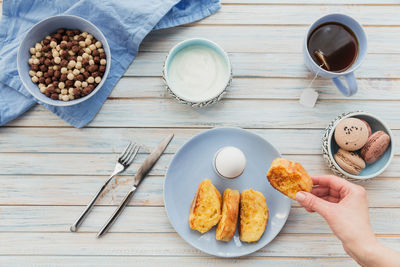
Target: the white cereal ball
pixel 71 97
pixel 61 85
pixel 70 76
pixel 92 47
pixel 32 50
pixel 65 97
pixel 43 89
pixel 98 44
pixel 78 65
pixel 55 53
pixel 90 36
pixel 71 91
pixel 79 58
pixel 64 42
pixel 76 37
pixel 85 55
pixel 76 72
pixel 88 41
pixel 55 67
pixel 39 74
pixel 32 73
pixel 90 79
pixel 41 85
pixel 58 48
pixel 64 70
pixel 48 37
pixel 38 47
pixel 53 44
pixel 71 53
pixel 101 50
pixel 84 34
pixel 38 54
pixel 82 43
pixel 78 83
pixel 87 50
pixel 30 61
pixel 91 62
pixel 90 57
pixel 97 79
pixel 57 60
pixel 64 91
pixel 84 84
pixel 83 70
pixel 36 61
pixel 71 64
pixel 60 97
pixel 35 79
pixel 103 61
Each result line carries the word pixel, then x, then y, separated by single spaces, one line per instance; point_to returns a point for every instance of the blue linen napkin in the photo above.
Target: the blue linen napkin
pixel 123 22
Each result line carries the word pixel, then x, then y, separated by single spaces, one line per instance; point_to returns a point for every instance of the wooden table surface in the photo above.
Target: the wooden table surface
pixel 49 170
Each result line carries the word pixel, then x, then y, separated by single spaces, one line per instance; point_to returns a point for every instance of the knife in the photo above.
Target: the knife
pixel 140 174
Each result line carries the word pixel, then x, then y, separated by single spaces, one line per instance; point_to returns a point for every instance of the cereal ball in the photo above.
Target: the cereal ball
pixel 79 58
pixel 85 56
pixel 60 97
pixel 98 44
pixel 70 76
pixel 84 34
pixel 69 83
pixel 76 72
pixel 54 96
pixel 48 81
pixel 95 53
pixel 76 37
pixel 71 64
pixel 57 60
pixel 30 61
pixel 58 48
pixel 38 54
pixel 84 84
pixel 71 91
pixel 53 44
pixel 88 42
pixel 78 65
pixel 82 44
pixel 32 50
pixel 51 89
pixel 64 70
pixel 35 79
pixel 40 85
pixel 65 97
pixel 63 77
pixel 43 68
pixel 91 62
pixel 96 60
pixel 90 36
pixel 55 84
pixel 90 79
pixel 80 77
pixel 101 50
pixel 55 67
pixel 50 73
pixel 103 62
pixel 92 47
pixel 57 74
pixel 42 79
pixel 35 67
pixel 64 91
pixel 86 74
pixel 38 47
pixel 92 68
pixel 95 74
pixel 71 97
pixel 83 70
pixel 32 73
pixel 61 85
pixel 75 49
pixel 78 84
pixel 55 54
pixel 63 46
pixel 42 89
pixel 58 90
pixel 97 79
pixel 39 74
pixel 64 63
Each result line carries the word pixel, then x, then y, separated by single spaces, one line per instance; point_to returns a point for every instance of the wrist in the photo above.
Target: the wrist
pixel 364 250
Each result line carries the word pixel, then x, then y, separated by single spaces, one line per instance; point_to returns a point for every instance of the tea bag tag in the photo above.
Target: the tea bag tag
pixel 308 97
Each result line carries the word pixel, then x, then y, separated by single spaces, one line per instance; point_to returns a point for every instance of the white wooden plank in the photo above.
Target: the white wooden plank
pixel 265 88
pixel 244 113
pixel 286 65
pixel 260 39
pixel 301 15
pixel 162 244
pixel 170 261
pixel 154 220
pixel 103 164
pixel 78 190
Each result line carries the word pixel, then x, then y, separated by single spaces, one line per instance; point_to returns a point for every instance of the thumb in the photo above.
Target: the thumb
pixel 313 203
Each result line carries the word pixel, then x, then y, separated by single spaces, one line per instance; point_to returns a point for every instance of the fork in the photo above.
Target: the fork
pixel 124 160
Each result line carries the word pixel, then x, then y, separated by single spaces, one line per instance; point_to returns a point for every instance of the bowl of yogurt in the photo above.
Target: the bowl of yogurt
pixel 197 72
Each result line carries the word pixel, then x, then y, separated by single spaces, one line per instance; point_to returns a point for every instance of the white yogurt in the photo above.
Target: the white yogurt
pixel 198 73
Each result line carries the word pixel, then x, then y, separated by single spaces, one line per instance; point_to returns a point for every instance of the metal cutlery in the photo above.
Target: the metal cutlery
pixel 141 173
pixel 124 161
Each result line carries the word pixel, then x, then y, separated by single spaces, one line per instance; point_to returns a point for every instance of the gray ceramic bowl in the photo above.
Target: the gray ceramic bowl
pixel 184 99
pixel 329 147
pixel 37 33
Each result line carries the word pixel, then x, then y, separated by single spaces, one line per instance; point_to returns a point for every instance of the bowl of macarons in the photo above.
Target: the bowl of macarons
pixel 358 146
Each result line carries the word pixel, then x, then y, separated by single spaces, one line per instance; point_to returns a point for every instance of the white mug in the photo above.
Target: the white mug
pixel 348 74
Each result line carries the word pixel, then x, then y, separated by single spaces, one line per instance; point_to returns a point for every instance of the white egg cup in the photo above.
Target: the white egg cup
pixel 219 171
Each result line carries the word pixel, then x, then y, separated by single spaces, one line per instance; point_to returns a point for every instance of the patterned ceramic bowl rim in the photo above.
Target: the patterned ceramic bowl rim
pixel 219 94
pixel 328 155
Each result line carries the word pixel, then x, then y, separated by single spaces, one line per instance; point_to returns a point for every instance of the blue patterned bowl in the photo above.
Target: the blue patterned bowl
pixel 37 33
pixel 329 147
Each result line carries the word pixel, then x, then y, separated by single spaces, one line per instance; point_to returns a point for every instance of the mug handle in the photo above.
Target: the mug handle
pixel 351 88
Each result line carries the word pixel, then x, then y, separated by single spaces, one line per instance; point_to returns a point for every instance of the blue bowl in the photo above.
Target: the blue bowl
pixel 47 27
pixel 329 147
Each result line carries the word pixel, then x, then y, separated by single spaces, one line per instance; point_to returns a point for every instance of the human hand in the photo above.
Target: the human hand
pixel 344 206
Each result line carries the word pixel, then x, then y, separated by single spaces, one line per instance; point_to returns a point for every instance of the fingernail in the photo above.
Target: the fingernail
pixel 300 196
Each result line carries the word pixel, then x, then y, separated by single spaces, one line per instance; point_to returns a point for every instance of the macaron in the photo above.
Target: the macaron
pixel 349 161
pixel 351 134
pixel 375 146
pixel 368 127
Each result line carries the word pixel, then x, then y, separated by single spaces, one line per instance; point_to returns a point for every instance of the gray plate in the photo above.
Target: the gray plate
pixel 194 163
